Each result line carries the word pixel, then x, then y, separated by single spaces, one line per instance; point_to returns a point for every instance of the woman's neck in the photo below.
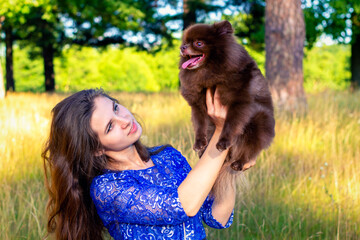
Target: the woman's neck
pixel 127 159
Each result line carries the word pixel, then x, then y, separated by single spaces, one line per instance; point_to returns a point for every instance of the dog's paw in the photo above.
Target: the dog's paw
pixel 222 144
pixel 237 166
pixel 200 144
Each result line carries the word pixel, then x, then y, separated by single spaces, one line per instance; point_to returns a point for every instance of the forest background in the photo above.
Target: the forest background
pixel 136 42
pixel 127 69
pixel 305 186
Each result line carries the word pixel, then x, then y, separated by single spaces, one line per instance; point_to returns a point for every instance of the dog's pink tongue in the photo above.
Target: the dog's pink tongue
pixel 188 62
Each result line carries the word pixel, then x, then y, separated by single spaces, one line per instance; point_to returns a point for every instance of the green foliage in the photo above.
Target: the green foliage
pixel 14 10
pixel 327 67
pixel 111 68
pixel 27 18
pixel 115 69
pixel 99 16
pixel 28 72
pixel 249 23
pixel 259 58
pixel 332 17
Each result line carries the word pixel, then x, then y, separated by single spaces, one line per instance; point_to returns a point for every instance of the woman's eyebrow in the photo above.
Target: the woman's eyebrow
pixel 107 125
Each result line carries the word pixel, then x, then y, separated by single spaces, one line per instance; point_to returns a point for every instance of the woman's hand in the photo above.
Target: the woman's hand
pixel 198 183
pixel 215 109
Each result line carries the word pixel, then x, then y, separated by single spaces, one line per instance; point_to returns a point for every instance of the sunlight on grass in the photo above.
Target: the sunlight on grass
pixel 306 185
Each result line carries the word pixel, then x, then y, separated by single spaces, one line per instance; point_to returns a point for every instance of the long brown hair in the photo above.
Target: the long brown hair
pixel 70 164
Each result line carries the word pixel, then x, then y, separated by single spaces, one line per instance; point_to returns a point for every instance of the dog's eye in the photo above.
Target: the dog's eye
pixel 198 44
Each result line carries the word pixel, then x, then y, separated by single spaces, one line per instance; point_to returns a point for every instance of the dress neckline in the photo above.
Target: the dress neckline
pixel 106 170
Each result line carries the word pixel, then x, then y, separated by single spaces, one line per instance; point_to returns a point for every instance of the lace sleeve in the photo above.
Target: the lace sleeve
pixel 208 218
pixel 127 201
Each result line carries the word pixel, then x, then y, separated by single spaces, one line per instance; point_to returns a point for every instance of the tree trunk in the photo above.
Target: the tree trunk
pixel 355 53
pixel 189 14
pixel 10 83
pixel 2 89
pixel 284 43
pixel 48 55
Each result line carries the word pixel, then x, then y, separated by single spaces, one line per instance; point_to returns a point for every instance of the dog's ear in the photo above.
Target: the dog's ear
pixel 223 27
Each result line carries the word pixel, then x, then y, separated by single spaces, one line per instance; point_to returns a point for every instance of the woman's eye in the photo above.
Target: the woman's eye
pixel 109 127
pixel 116 107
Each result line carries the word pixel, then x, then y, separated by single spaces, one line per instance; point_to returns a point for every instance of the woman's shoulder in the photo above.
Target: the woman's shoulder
pixel 158 149
pixel 110 177
pixel 164 151
pixel 103 185
pixel 169 156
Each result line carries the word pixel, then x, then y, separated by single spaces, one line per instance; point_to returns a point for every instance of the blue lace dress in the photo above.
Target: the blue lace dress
pixel 144 204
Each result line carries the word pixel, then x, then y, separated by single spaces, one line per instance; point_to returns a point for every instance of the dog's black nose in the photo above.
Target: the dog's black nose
pixel 183 47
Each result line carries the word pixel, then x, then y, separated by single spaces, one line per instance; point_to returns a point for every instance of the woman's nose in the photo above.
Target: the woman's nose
pixel 123 121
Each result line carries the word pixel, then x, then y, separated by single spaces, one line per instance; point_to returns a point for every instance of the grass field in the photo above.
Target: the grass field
pixel 305 186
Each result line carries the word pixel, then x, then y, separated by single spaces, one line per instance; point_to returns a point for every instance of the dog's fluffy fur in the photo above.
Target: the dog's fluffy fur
pixel 211 58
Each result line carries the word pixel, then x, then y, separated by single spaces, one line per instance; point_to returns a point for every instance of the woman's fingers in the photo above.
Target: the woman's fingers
pixel 214 106
pixel 217 104
pixel 209 102
pixel 249 164
pixel 219 109
pixel 215 109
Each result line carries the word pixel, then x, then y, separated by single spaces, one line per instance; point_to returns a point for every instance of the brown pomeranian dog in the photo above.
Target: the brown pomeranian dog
pixel 211 58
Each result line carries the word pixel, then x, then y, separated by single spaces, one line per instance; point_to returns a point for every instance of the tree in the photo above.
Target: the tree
pixel 2 90
pixel 195 11
pixel 189 13
pixel 249 22
pixel 355 51
pixel 26 21
pixel 100 23
pixel 44 31
pixel 10 83
pixel 8 15
pixel 341 21
pixel 94 23
pixel 284 42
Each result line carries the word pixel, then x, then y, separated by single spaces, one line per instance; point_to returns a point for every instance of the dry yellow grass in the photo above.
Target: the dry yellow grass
pixel 306 185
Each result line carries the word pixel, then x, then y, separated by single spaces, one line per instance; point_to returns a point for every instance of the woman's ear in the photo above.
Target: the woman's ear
pixel 98 153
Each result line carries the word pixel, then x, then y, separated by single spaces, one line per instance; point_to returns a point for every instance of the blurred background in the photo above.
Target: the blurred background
pixel 306 185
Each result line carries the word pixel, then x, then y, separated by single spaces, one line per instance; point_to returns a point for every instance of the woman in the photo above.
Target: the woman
pixel 99 174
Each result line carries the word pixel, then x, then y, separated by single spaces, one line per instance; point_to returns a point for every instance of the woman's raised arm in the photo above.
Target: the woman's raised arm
pixel 197 185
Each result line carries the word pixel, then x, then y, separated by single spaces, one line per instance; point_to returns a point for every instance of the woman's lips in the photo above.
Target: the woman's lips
pixel 133 128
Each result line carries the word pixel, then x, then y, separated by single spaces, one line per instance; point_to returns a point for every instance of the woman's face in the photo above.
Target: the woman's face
pixel 115 126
